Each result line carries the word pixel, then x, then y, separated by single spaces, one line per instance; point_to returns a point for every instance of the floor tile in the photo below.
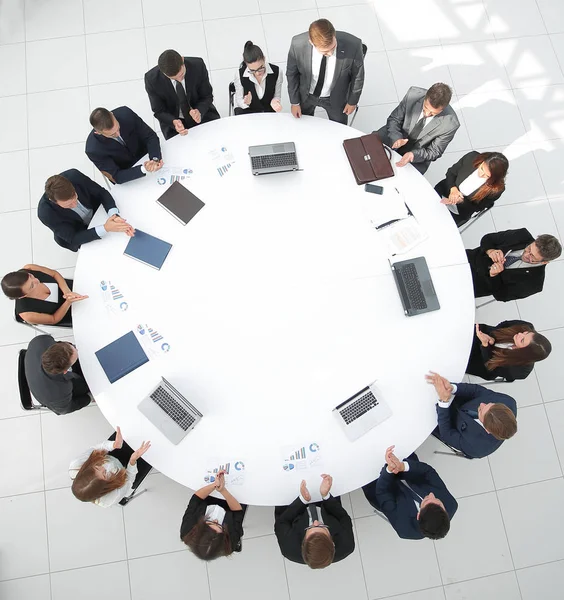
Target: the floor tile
pixel 472 236
pixel 259 521
pixel 535 536
pixel 12 333
pixel 222 9
pixel 466 22
pixel 549 378
pixel 436 593
pixel 536 216
pixel 476 545
pixel 544 581
pixel 549 156
pixel 557 40
pixel 508 22
pixel 420 67
pixel 107 15
pixel 371 118
pixel 279 28
pixel 187 39
pixel 271 6
pixel 13 123
pixel 525 391
pixel 379 87
pixel 71 522
pixel 497 587
pixel 540 108
pixel 461 139
pixel 93 582
pixel 551 11
pixel 45 20
pixel 12 69
pixel 327 3
pixel 15 242
pixel 22 518
pixel 555 412
pixel 220 80
pixel 15 180
pixel 166 576
pixel 46 250
pixel 36 588
pixel 171 11
pixel 12 22
pixel 360 505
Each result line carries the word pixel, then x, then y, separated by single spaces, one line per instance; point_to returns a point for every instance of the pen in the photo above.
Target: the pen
pixel 387 223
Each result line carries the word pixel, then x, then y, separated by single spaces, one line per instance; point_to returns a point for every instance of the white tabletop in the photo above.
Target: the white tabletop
pixel 278 303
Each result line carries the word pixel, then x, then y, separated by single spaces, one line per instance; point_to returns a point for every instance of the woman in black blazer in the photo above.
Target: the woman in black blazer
pixel 509 350
pixel 475 182
pixel 213 527
pixel 43 296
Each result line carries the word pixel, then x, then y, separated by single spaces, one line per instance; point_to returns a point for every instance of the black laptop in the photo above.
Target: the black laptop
pixel 415 286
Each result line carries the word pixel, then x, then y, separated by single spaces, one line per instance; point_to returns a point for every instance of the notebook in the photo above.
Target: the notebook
pixel 121 357
pixel 147 249
pixel 180 203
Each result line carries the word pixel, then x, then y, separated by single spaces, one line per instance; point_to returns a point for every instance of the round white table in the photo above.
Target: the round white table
pixel 278 303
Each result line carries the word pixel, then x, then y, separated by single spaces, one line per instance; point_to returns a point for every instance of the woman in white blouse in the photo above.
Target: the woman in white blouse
pixel 258 83
pixel 99 475
pixel 472 184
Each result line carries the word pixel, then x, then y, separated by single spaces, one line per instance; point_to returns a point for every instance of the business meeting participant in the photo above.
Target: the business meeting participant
pixel 473 418
pixel 473 184
pixel 325 68
pixel 180 93
pixel 413 497
pixel 258 83
pixel 316 534
pixel 54 375
pixel 43 296
pixel 119 138
pixel 422 126
pixel 213 527
pixel 68 205
pixel 509 350
pixel 106 473
pixel 510 265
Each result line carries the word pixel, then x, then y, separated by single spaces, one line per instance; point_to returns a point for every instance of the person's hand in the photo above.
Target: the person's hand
pixel 496 256
pixel 248 98
pixel 152 165
pixel 276 105
pixel 455 196
pixel 296 110
pixel 486 339
pixel 394 464
pixel 139 452
pixel 443 386
pixel 195 114
pixel 179 126
pixel 220 482
pixel 399 143
pixel 118 442
pixel 116 223
pixel 72 298
pixel 304 491
pixel 496 269
pixel 405 159
pixel 349 109
pixel 326 483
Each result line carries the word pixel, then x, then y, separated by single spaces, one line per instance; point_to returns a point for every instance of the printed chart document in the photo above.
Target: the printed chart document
pixel 300 457
pixel 222 160
pixel 168 175
pixel 234 472
pixel 403 236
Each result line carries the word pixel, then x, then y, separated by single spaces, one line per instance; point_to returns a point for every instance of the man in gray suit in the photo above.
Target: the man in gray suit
pixel 325 68
pixel 421 126
pixel 54 375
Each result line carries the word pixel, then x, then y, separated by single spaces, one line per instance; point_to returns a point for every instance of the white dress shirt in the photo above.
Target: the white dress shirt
pixel 260 88
pixel 53 292
pixel 471 183
pixel 331 62
pixel 214 512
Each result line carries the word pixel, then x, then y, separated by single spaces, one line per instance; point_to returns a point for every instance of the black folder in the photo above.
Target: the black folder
pixel 121 357
pixel 180 203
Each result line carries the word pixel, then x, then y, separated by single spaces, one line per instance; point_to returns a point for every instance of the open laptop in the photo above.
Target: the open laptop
pixel 361 413
pixel 415 286
pixel 273 158
pixel 170 412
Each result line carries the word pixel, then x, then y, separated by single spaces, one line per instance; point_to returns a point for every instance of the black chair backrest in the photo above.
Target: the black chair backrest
pixel 17 316
pixel 364 50
pixel 25 393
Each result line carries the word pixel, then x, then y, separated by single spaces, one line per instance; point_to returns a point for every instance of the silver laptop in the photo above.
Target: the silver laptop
pixel 170 412
pixel 273 158
pixel 361 412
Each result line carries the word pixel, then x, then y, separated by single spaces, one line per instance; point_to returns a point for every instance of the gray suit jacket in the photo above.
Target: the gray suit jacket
pixel 349 70
pixel 434 138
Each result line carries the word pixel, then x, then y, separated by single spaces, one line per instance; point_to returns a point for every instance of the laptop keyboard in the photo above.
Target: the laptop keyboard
pixel 412 285
pixel 172 408
pixel 268 161
pixel 359 407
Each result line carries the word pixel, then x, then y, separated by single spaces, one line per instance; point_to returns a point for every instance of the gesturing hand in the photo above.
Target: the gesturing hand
pixel 326 483
pixel 276 106
pixel 486 339
pixel 399 143
pixel 349 109
pixel 297 111
pixel 304 491
pixel 195 114
pixel 248 98
pixel 443 386
pixel 179 126
pixel 118 442
pixel 406 159
pixel 139 452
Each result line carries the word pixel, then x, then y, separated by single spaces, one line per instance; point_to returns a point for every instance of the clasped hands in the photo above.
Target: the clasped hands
pixel 116 223
pixel 153 165
pixel 324 488
pixel 442 385
pixel 455 196
pixel 498 259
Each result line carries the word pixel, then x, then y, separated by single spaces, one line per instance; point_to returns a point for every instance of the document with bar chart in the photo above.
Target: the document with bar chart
pixel 222 160
pixel 152 340
pixel 300 457
pixel 234 472
pixel 114 299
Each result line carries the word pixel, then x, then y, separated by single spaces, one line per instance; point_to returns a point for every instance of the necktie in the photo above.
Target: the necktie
pixel 182 98
pixel 313 512
pixel 412 136
pixel 471 413
pixel 413 494
pixel 509 260
pixel 321 78
pixel 120 140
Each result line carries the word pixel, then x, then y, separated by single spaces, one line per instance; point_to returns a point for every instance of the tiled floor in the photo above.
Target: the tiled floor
pixel 505 60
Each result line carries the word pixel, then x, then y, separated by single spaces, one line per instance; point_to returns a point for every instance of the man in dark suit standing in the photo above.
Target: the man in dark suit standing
pixel 422 126
pixel 118 140
pixel 54 375
pixel 510 265
pixel 68 205
pixel 325 68
pixel 316 534
pixel 413 497
pixel 180 93
pixel 473 418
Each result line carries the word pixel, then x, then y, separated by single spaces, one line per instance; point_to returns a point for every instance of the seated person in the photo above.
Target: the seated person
pixel 258 84
pixel 473 418
pixel 509 350
pixel 68 205
pixel 413 497
pixel 213 527
pixel 316 534
pixel 106 473
pixel 119 139
pixel 54 375
pixel 180 93
pixel 510 265
pixel 422 126
pixel 43 296
pixel 473 184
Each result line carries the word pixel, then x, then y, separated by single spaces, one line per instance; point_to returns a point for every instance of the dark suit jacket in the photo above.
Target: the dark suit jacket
pixel 164 101
pixel 388 495
pixel 480 355
pixel 459 430
pixel 510 284
pixel 348 79
pixel 111 156
pixel 69 229
pixel 291 522
pixel 454 177
pixel 62 394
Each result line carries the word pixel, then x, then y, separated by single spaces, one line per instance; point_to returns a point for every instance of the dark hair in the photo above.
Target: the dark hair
pixel 252 53
pixel 321 32
pixel 439 95
pixel 58 187
pixel 13 282
pixel 101 119
pixel 57 358
pixel 549 247
pixel 206 543
pixel 89 486
pixel 318 550
pixel 170 63
pixel 500 421
pixel 434 521
pixel 498 165
pixel 537 349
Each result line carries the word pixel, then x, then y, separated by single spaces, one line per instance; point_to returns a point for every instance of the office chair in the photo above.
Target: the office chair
pixel 231 96
pixel 364 51
pixel 469 222
pixel 485 303
pixel 18 319
pixel 453 451
pixel 26 399
pixel 107 179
